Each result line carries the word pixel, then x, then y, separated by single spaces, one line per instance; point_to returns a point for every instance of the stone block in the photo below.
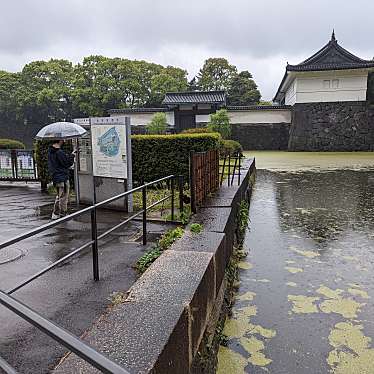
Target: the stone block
pixel 206 241
pixel 158 328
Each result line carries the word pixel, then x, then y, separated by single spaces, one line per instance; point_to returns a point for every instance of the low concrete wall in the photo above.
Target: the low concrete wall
pixel 159 327
pixel 261 136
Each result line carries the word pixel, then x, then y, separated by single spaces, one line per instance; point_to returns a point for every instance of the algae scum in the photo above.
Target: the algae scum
pixel 305 299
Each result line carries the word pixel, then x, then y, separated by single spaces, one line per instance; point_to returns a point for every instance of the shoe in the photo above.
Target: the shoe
pixel 55 216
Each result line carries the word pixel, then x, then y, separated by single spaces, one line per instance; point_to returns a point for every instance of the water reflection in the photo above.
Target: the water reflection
pixel 323 205
pixel 312 240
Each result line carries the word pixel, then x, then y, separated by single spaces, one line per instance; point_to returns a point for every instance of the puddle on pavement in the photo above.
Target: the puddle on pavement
pixel 311 237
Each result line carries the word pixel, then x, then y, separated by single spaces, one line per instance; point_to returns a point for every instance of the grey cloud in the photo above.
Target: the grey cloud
pixel 263 35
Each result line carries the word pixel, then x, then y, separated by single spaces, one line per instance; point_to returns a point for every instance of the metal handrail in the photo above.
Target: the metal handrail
pixel 60 335
pixel 79 213
pixel 71 342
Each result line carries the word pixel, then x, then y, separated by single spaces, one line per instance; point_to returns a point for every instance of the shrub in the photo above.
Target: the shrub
pixel 220 122
pixel 11 144
pixel 158 124
pixel 197 130
pixel 156 156
pixel 230 147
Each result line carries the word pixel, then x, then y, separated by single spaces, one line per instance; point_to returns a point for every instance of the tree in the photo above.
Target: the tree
pixel 44 93
pixel 220 122
pixel 192 85
pixel 243 90
pixel 9 86
pixel 171 79
pixel 158 124
pixel 216 74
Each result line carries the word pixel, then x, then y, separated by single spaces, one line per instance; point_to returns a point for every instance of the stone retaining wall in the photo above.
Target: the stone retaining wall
pixel 261 136
pixel 161 324
pixel 345 126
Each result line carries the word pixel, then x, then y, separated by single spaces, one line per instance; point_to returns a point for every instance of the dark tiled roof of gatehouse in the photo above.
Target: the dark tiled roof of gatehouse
pixel 195 97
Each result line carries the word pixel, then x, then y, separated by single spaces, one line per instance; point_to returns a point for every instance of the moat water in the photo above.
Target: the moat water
pixel 306 287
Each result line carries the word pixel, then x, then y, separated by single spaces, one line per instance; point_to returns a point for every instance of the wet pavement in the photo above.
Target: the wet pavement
pixel 305 299
pixel 67 295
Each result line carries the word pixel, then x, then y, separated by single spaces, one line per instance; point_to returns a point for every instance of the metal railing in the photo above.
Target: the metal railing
pixel 229 170
pixel 17 165
pixel 54 331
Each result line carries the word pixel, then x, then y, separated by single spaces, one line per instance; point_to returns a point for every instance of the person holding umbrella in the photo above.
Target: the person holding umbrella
pixel 60 162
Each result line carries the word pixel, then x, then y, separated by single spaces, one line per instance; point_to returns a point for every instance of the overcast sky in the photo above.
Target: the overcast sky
pixel 259 36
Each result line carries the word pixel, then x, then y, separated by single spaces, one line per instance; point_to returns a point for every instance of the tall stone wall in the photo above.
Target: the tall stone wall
pixel 261 136
pixel 340 126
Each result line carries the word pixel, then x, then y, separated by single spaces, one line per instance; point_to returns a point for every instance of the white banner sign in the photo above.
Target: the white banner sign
pixel 109 150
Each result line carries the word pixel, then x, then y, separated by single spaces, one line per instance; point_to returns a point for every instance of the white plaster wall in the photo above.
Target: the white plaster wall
pixel 202 118
pixel 328 87
pixel 290 98
pixel 144 118
pixel 260 116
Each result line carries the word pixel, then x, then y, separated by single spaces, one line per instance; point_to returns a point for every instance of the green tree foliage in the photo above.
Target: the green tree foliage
pixel 220 122
pixel 158 124
pixel 243 90
pixel 48 91
pixel 216 74
pixel 44 93
pixel 219 74
pixel 9 86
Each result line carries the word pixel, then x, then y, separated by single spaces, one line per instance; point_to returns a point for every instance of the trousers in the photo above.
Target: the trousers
pixel 62 198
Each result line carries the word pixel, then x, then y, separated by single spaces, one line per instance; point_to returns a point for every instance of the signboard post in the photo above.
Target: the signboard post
pixel 110 150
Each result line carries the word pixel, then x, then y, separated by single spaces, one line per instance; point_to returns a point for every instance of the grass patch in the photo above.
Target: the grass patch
pixel 162 245
pixel 196 228
pixel 155 194
pixel 243 221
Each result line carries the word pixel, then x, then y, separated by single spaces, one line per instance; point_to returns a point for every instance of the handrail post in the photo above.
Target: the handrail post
pixel 193 173
pixel 180 180
pixel 229 170
pixel 172 198
pixel 95 246
pixel 240 157
pixel 144 198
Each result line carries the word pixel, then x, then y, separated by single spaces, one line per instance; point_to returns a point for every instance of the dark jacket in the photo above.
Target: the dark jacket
pixel 58 164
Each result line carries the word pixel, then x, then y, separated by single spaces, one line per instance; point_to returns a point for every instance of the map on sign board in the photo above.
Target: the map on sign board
pixel 109 150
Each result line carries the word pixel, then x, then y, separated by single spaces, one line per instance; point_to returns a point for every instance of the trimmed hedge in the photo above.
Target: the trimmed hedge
pixel 153 156
pixel 156 156
pixel 197 130
pixel 11 144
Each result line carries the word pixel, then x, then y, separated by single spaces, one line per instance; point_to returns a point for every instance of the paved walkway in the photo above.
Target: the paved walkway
pixel 67 295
